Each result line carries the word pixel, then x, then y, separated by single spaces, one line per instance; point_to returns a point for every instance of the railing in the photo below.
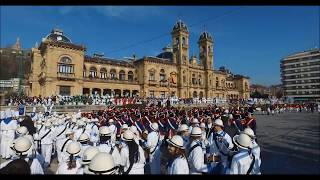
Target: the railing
pixel 153 82
pixel 97 79
pixel 65 75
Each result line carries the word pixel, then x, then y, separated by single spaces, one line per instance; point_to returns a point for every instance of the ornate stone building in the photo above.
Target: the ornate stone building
pixel 61 67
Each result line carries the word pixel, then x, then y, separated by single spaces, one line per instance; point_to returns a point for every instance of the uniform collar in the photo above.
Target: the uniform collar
pixel 220 133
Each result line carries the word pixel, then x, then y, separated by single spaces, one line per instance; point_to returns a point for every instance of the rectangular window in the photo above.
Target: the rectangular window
pixel 66 69
pixel 65 90
pixel 122 77
pixel 194 81
pixel 162 94
pixel 130 78
pixel 151 77
pixel 162 77
pixel 151 94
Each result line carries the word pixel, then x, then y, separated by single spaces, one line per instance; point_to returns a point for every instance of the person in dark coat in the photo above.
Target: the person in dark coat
pixel 17 166
pixel 168 103
pixel 28 123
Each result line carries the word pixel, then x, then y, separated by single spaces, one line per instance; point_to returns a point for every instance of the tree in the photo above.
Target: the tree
pixel 256 94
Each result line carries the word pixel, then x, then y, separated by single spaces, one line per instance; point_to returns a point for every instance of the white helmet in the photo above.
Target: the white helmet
pixel 111 121
pixel 84 119
pixel 22 130
pixel 47 124
pixel 22 145
pixel 195 121
pixel 74 148
pixel 74 120
pixel 134 129
pixel 218 122
pixel 69 131
pixel 242 141
pixel 125 126
pixel 154 126
pixel 88 154
pixel 127 135
pixel 102 163
pixel 84 137
pixel 183 127
pixel 80 123
pixel 61 121
pixel 105 131
pixel 248 131
pixel 176 141
pixel 202 125
pixel 196 131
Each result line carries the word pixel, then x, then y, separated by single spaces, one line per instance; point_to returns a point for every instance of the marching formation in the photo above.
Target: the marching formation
pixel 150 140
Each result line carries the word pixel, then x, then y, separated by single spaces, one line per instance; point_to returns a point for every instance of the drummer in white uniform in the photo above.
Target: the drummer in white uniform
pixel 178 163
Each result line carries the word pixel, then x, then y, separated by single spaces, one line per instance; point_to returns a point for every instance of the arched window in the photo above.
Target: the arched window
pixel 200 81
pixel 130 76
pixel 183 41
pixel 122 75
pixel 93 72
pixel 162 75
pixel 103 73
pixel 195 94
pixel 201 94
pixel 177 40
pixel 65 65
pixel 112 74
pixel 65 60
pixel 204 48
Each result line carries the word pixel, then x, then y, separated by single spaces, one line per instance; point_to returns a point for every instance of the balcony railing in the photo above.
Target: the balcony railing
pixel 97 79
pixel 153 82
pixel 66 75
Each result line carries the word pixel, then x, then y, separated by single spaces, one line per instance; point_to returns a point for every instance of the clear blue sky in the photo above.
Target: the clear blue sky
pixel 249 40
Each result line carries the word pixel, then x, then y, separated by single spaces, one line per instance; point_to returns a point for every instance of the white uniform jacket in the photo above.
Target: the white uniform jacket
pixel 178 166
pixel 196 160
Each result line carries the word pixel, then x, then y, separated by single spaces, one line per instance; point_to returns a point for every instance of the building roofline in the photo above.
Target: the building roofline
pixel 300 53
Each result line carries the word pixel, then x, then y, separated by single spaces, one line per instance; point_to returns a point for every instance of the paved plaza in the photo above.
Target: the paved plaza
pixel 290 143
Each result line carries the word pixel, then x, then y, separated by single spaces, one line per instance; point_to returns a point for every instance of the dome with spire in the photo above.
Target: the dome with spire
pixel 205 36
pixel 57 36
pixel 180 26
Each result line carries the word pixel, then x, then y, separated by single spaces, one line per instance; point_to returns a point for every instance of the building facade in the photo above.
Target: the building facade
pixel 300 75
pixel 15 66
pixel 62 67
